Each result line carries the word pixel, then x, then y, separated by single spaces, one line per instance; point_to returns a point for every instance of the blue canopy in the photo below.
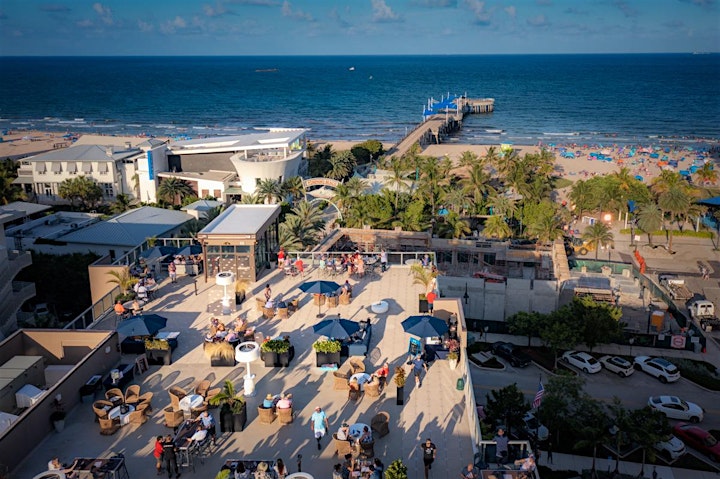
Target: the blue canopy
pixel 715 201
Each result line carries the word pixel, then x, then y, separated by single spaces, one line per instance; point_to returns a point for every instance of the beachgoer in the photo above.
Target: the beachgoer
pixel 429 453
pixel 418 366
pixel 319 424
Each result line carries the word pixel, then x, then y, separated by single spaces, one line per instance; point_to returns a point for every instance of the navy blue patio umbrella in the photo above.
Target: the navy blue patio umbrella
pixel 336 328
pixel 319 287
pixel 424 326
pixel 145 325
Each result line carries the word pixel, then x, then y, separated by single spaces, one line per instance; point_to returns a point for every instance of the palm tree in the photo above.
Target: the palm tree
pixel 476 185
pixel 343 198
pixel 592 423
pixel 310 215
pixel 294 187
pixel 707 175
pixel 582 196
pixel 123 279
pixel 123 203
pixel 356 186
pixel 667 180
pixel 453 226
pixel 342 165
pixel 468 159
pixel 456 201
pixel 269 190
pixel 598 234
pixel 251 199
pixel 649 219
pixel 398 178
pixel 174 189
pixel 502 205
pixel 675 201
pixel 647 427
pixel 545 228
pixel 497 227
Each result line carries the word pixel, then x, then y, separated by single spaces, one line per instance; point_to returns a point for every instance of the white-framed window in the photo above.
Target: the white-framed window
pixel 108 189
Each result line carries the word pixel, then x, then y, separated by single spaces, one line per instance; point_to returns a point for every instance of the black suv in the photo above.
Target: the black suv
pixel 509 352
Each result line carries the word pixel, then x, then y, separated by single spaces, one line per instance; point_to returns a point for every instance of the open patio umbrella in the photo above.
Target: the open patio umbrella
pixel 319 287
pixel 145 325
pixel 336 328
pixel 424 326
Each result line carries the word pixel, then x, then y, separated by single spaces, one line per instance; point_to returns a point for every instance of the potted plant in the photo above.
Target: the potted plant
pixel 399 379
pixel 233 413
pixel 240 289
pixel 453 353
pixel 327 351
pixel 221 353
pixel 158 351
pixel 224 474
pixel 396 470
pixel 277 352
pixel 425 278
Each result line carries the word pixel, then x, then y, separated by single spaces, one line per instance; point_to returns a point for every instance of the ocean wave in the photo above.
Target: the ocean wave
pixel 572 133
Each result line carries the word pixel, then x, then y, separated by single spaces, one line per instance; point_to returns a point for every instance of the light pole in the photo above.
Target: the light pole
pixel 631 341
pixel 486 334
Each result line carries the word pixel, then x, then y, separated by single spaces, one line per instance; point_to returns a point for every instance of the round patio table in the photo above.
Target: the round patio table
pixel 357 429
pixel 191 401
pixel 116 412
pixel 380 307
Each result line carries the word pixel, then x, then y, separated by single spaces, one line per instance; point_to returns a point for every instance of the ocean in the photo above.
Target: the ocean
pixel 624 99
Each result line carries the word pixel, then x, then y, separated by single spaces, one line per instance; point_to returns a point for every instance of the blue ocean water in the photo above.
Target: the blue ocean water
pixel 618 98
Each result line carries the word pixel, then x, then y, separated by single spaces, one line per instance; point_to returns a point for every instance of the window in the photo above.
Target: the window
pixel 47 188
pixel 107 189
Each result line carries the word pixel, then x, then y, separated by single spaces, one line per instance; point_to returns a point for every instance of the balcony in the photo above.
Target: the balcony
pixel 21 292
pixel 17 260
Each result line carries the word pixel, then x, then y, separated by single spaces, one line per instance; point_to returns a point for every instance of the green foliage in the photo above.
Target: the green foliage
pixel 526 324
pixel 560 332
pixel 319 162
pixel 278 346
pixel 367 151
pixel 507 405
pixel 224 474
pixel 599 322
pixel 399 377
pixel 327 346
pixel 157 344
pixel 81 189
pixel 396 470
pixel 229 396
pixel 9 192
pixel 422 276
pixel 685 233
pixel 699 372
pixel 122 278
pixel 560 183
pixel 598 234
pixel 173 190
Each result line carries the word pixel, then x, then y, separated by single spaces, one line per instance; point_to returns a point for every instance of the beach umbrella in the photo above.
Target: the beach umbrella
pixel 336 328
pixel 145 325
pixel 424 326
pixel 319 287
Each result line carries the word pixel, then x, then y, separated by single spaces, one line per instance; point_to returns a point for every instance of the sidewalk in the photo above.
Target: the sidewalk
pixel 569 462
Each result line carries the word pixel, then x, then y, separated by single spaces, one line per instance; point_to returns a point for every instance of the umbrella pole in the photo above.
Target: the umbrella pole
pixel 319 315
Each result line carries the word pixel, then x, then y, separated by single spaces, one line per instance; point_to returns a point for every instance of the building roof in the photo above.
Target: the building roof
pixel 241 220
pixel 129 228
pixel 212 175
pixel 87 153
pixel 273 138
pixel 135 141
pixel 24 207
pixel 202 205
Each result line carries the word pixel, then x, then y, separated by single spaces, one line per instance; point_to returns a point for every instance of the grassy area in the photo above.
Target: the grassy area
pixel 686 232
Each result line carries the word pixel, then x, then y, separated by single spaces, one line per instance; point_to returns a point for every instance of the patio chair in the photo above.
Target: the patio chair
pixel 332 301
pixel 357 365
pixel 138 416
pixel 176 394
pixel 341 380
pixel 318 299
pixel 173 418
pixel 283 313
pixel 146 398
pixel 372 389
pixel 295 304
pixel 342 447
pixel 101 408
pixel 115 393
pixel 354 391
pixel 269 313
pixel 285 416
pixel 367 449
pixel 266 415
pixel 259 304
pixel 380 424
pixel 345 297
pixel 132 394
pixel 108 426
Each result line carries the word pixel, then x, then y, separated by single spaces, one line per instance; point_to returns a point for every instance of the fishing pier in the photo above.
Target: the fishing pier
pixel 441 118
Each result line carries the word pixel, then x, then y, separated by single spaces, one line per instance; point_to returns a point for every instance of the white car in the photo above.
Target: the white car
pixel 617 365
pixel 675 408
pixel 660 368
pixel 582 361
pixel 671 449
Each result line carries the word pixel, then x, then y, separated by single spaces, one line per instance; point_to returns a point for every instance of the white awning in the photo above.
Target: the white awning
pixel 56 167
pixel 40 167
pixel 103 167
pixel 87 167
pixel 71 167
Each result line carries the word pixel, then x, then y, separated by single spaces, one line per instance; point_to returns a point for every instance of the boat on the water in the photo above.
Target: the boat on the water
pixel 352 69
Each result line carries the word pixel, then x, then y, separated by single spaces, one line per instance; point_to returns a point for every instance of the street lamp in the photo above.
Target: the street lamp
pixel 466 296
pixel 486 333
pixel 631 341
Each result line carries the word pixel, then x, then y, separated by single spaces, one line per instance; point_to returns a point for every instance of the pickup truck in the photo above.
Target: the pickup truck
pixel 675 286
pixel 703 312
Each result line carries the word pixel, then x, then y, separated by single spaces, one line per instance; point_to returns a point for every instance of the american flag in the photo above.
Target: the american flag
pixel 538 396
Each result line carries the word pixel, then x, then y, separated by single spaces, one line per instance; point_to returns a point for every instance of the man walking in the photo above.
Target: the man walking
pixel 429 453
pixel 319 424
pixel 431 296
pixel 170 458
pixel 418 366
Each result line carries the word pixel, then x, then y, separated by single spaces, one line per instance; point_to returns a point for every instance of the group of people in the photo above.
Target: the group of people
pixel 351 465
pixel 278 401
pixel 236 331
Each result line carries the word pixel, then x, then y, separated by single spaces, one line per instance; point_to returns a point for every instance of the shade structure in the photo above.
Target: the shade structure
pixel 6 420
pixel 188 250
pixel 336 328
pixel 145 325
pixel 715 201
pixel 158 252
pixel 424 326
pixel 319 287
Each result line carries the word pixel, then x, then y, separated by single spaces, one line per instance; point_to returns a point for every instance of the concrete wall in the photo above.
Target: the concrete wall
pixel 99 277
pixel 249 171
pixel 497 301
pixel 34 424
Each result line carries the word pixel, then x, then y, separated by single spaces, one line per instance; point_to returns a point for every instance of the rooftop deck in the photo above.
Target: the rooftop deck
pixel 436 410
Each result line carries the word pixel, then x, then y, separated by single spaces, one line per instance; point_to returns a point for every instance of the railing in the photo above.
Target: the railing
pixel 17 261
pixel 398 258
pixel 21 292
pixel 88 318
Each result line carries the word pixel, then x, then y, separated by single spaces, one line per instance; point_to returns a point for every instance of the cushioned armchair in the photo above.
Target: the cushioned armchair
pixel 260 304
pixel 357 365
pixel 367 449
pixel 101 408
pixel 266 414
pixel 354 391
pixel 268 313
pixel 372 389
pixel 115 393
pixel 173 418
pixel 146 398
pixel 345 297
pixel 176 394
pixel 342 447
pixel 341 380
pixel 139 415
pixel 380 424
pixel 108 426
pixel 285 416
pixel 132 394
pixel 283 313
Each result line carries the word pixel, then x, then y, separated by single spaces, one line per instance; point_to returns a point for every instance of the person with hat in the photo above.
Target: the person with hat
pixel 319 424
pixel 343 433
pixel 261 471
pixel 285 401
pixel 268 402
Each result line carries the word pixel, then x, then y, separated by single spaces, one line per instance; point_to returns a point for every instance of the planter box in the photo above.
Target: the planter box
pixel 162 357
pixel 239 297
pixel 327 358
pixel 278 360
pixel 230 422
pixel 423 305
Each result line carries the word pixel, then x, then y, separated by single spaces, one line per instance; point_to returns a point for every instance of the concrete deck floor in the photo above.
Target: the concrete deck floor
pixel 436 410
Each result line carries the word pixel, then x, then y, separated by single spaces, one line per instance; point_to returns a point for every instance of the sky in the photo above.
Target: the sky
pixel 356 27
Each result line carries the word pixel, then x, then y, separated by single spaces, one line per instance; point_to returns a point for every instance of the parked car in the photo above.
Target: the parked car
pixel 675 408
pixel 582 361
pixel 533 427
pixel 615 364
pixel 511 353
pixel 671 449
pixel 699 439
pixel 660 368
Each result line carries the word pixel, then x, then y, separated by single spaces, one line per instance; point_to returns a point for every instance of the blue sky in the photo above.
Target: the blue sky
pixel 356 27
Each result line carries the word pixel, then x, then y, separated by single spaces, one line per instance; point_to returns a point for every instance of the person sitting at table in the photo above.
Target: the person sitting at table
pixel 343 433
pixel 527 464
pixel 269 401
pixel 120 309
pixel 270 304
pixel 382 373
pixel 232 336
pixel 208 423
pixel 55 465
pixel 347 287
pixel 365 437
pixel 241 472
pixel 262 471
pixel 285 401
pixel 136 308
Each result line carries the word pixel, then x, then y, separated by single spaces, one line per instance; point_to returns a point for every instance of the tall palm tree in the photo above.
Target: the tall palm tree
pixel 456 201
pixel 582 196
pixel 342 165
pixel 453 226
pixel 675 201
pixel 491 157
pixel 123 203
pixel 398 177
pixel 598 234
pixel 477 185
pixel 123 279
pixel 174 189
pixel 667 180
pixel 251 199
pixel 468 159
pixel 497 227
pixel 343 198
pixel 294 187
pixel 310 216
pixel 649 219
pixel 502 205
pixel 356 186
pixel 707 175
pixel 269 190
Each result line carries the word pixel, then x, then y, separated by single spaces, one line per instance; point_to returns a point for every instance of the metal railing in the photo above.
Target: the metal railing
pixel 17 260
pixel 96 312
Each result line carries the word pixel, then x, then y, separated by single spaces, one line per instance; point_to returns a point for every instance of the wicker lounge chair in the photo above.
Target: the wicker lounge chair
pixel 380 424
pixel 266 415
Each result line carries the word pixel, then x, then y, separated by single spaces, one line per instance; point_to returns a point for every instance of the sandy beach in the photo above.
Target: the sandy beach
pixel 572 161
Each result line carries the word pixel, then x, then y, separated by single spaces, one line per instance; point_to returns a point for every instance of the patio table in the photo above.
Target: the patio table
pixel 357 429
pixel 124 417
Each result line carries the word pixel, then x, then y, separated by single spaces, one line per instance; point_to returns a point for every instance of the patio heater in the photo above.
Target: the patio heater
pixel 248 352
pixel 225 279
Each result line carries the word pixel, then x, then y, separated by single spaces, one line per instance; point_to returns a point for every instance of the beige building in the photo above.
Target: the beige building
pixel 12 293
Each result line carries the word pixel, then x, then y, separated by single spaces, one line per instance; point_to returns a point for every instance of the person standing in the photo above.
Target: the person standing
pixel 170 457
pixel 418 366
pixel 501 446
pixel 268 293
pixel 431 296
pixel 172 271
pixel 429 454
pixel 281 257
pixel 383 260
pixel 280 469
pixel 158 454
pixel 549 452
pixel 319 424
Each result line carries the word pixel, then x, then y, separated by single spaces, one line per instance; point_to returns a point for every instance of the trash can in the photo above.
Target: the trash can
pixel 460 384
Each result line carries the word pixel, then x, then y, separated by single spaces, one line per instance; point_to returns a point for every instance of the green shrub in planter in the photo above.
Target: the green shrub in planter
pixel 275 346
pixel 396 470
pixel 327 346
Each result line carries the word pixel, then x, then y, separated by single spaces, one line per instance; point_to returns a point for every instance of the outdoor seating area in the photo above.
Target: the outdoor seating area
pixel 122 408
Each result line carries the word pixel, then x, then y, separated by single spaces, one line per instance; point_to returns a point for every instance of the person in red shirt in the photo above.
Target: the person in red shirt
pixel 158 454
pixel 281 258
pixel 382 374
pixel 431 296
pixel 300 267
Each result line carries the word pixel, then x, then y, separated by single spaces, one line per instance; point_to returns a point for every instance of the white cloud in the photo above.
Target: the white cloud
pixel 104 12
pixel 511 11
pixel 482 16
pixel 172 26
pixel 381 12
pixel 289 11
pixel 86 23
pixel 214 10
pixel 538 21
pixel 145 26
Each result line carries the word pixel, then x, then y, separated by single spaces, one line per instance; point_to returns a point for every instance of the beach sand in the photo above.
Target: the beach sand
pixel 22 143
